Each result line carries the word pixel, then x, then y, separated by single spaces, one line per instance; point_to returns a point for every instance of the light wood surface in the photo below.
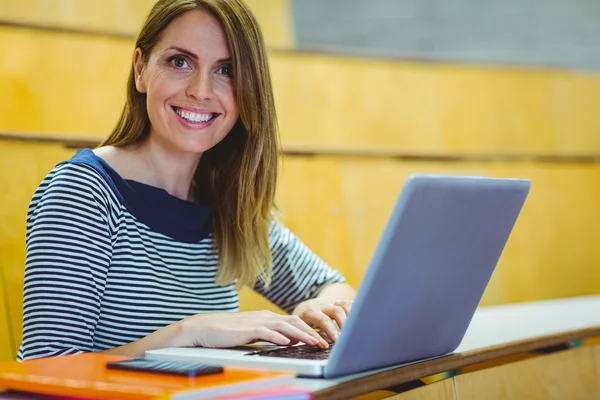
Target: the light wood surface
pixel 551 253
pixel 329 100
pixel 326 101
pixel 356 385
pixel 6 341
pixel 443 390
pixel 511 323
pixel 22 167
pixel 81 87
pixel 275 20
pixel 116 17
pixel 597 359
pixel 564 375
pixel 124 18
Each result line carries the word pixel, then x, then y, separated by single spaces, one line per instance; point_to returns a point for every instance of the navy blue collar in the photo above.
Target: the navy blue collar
pixel 178 219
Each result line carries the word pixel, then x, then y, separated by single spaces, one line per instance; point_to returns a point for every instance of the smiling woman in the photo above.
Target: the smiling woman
pixel 191 104
pixel 143 242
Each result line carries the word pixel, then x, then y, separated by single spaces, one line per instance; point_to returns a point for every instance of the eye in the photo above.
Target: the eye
pixel 225 69
pixel 178 62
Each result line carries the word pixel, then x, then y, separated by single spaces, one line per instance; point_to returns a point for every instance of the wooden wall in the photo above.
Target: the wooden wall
pixel 360 126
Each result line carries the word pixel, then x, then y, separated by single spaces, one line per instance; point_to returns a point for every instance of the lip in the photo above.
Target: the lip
pixel 196 110
pixel 195 125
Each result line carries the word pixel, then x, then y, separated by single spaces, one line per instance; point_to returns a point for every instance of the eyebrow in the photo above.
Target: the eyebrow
pixel 193 55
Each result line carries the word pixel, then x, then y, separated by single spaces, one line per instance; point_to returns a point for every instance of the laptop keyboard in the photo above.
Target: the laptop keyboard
pixel 303 351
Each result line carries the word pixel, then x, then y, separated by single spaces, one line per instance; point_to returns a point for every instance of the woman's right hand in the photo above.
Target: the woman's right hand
pixel 237 329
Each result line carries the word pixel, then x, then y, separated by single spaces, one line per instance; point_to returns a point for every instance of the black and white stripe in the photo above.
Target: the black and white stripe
pixel 96 277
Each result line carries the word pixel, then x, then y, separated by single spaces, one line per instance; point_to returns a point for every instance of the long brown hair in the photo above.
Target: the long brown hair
pixel 237 177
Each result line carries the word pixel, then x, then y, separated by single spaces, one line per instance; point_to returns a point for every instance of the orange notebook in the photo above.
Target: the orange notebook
pixel 86 375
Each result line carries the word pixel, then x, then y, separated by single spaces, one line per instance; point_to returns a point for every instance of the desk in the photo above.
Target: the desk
pixel 495 333
pixel 544 343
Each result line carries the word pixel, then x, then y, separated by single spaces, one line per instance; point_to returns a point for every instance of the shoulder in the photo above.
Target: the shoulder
pixel 280 236
pixel 78 179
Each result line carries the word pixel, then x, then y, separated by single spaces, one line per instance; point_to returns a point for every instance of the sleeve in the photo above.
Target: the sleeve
pixel 68 254
pixel 298 273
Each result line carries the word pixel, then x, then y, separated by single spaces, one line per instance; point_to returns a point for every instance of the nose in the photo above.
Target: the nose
pixel 200 86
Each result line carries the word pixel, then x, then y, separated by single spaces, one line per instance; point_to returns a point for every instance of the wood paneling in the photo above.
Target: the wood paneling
pixel 597 362
pixel 119 17
pixel 22 167
pixel 323 102
pixel 6 340
pixel 339 206
pixel 54 82
pixel 443 390
pixel 335 101
pixel 564 375
pixel 275 20
pixel 125 17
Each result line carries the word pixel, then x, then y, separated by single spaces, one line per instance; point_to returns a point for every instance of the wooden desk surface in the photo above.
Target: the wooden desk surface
pixel 494 332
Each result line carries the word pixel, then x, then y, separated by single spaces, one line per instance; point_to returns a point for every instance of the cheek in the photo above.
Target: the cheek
pixel 228 102
pixel 162 88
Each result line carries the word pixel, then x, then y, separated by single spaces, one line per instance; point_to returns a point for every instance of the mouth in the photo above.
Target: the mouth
pixel 195 118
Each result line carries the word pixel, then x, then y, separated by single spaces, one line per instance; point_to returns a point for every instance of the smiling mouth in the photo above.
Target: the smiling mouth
pixel 195 117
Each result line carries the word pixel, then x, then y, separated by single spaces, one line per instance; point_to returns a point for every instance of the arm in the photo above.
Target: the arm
pixel 68 254
pixel 303 284
pixel 337 291
pixel 298 274
pixel 170 336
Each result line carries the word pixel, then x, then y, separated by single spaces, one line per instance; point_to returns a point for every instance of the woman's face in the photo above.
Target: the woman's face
pixel 188 84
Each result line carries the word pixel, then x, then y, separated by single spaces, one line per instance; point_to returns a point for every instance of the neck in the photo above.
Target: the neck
pixel 170 170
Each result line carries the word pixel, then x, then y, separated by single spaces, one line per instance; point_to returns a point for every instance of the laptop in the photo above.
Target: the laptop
pixel 426 277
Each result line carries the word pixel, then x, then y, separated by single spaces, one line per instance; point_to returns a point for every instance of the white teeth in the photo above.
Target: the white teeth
pixel 193 117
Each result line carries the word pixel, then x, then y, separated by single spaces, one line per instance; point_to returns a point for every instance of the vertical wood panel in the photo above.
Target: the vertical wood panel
pixel 597 364
pixel 52 82
pixel 339 207
pixel 122 17
pixel 22 167
pixel 275 20
pixel 354 103
pixel 125 17
pixel 563 375
pixel 443 390
pixel 6 340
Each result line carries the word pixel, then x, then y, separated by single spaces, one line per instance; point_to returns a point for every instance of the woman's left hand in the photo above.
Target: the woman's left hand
pixel 320 313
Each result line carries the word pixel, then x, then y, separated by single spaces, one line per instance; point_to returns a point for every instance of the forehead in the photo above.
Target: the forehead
pixel 198 31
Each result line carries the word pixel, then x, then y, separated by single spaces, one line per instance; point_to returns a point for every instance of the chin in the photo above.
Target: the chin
pixel 196 148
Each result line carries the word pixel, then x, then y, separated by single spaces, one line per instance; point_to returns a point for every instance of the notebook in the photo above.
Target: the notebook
pixel 86 376
pixel 426 277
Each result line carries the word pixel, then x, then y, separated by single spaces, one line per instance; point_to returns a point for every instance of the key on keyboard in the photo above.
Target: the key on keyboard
pixel 302 351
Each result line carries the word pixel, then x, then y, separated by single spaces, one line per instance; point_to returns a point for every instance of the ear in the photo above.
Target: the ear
pixel 138 69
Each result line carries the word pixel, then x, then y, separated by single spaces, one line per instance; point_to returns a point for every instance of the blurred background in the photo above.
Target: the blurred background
pixel 367 93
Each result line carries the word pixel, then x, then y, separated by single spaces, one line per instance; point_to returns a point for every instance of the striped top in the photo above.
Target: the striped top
pixel 111 260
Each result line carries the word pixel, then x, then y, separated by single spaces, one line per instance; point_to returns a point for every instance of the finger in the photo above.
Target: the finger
pixel 323 321
pixel 262 333
pixel 300 324
pixel 292 332
pixel 345 304
pixel 336 313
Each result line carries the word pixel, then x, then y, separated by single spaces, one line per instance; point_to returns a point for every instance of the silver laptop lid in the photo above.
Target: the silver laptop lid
pixel 429 271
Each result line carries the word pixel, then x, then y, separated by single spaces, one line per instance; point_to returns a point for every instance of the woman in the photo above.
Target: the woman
pixel 143 242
